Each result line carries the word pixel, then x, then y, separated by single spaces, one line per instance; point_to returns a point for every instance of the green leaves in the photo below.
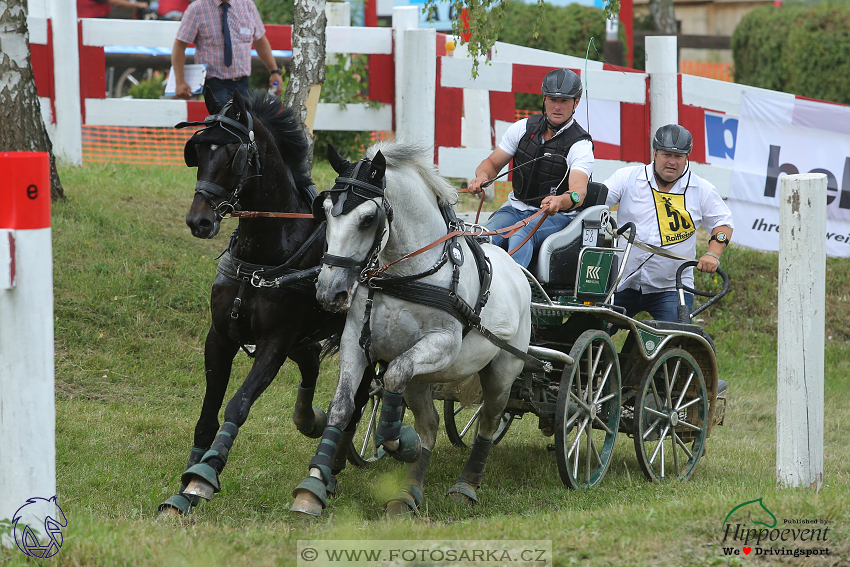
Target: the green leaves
pixel 796 49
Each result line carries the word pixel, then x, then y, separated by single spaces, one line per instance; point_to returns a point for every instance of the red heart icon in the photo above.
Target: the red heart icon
pixel 747 550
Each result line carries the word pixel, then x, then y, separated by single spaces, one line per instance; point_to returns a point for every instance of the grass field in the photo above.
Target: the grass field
pixel 131 314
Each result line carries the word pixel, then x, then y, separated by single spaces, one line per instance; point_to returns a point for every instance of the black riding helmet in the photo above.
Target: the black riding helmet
pixel 673 138
pixel 562 83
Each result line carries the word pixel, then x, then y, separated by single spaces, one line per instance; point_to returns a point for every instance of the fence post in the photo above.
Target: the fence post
pixel 663 82
pixel 27 411
pixel 338 14
pixel 68 139
pixel 419 85
pixel 802 302
pixel 404 18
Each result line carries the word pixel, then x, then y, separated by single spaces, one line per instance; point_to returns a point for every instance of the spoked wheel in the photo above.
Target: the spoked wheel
pixel 671 417
pixel 462 423
pixel 587 416
pixel 362 450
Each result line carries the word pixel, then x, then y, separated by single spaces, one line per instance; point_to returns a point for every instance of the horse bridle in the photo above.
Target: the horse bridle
pixel 247 154
pixel 365 192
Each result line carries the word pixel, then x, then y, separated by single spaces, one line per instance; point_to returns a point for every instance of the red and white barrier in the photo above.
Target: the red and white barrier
pixel 27 412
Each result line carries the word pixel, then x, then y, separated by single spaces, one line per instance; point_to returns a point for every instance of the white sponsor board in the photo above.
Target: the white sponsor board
pixel 779 136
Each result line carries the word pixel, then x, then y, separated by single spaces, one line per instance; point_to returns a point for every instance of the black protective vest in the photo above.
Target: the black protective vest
pixel 537 179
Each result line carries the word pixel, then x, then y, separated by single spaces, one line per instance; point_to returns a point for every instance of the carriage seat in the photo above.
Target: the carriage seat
pixel 556 261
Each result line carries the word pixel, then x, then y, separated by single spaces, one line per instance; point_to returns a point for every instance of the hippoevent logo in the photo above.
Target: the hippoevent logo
pixel 28 540
pixel 752 529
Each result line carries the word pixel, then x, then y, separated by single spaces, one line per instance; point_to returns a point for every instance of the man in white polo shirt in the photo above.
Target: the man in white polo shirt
pixel 554 182
pixel 666 202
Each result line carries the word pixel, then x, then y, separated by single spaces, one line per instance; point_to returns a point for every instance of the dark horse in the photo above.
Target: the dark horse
pixel 251 157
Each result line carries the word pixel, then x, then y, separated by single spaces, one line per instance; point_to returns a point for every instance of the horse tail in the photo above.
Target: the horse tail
pixel 330 346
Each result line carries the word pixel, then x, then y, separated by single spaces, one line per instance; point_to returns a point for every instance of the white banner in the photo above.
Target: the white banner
pixel 781 136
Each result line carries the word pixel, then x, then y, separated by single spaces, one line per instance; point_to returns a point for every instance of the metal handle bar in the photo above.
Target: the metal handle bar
pixel 684 316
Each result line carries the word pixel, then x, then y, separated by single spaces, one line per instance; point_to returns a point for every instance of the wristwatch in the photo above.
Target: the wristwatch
pixel 278 71
pixel 575 198
pixel 720 237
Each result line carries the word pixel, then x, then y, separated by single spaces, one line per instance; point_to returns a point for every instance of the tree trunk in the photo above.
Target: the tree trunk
pixel 663 16
pixel 307 72
pixel 21 125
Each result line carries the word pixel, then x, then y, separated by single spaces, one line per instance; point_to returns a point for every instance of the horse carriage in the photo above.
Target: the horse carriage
pixel 539 340
pixel 662 386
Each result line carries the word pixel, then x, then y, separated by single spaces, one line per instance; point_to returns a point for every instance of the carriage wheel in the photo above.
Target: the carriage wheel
pixel 587 416
pixel 671 413
pixel 362 451
pixel 462 423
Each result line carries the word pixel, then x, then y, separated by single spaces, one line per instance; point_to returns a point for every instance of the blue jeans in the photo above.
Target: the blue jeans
pixel 223 89
pixel 508 215
pixel 662 305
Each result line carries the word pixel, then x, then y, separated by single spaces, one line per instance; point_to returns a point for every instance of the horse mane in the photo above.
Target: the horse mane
pixel 286 131
pixel 400 154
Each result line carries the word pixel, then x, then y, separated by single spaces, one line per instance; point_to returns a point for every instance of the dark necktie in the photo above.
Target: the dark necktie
pixel 225 30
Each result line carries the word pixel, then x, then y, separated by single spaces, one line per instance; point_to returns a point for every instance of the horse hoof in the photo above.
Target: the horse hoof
pixel 169 513
pixel 461 499
pixel 307 503
pixel 463 493
pixel 200 488
pixel 399 509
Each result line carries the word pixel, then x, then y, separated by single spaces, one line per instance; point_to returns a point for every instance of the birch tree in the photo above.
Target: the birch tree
pixel 21 124
pixel 308 63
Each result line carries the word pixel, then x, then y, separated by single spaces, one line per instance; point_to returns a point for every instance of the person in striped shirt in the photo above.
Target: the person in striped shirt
pixel 226 56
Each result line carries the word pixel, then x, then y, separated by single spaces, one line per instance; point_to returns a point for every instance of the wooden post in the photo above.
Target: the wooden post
pixel 663 82
pixel 419 89
pixel 800 360
pixel 68 138
pixel 404 18
pixel 27 411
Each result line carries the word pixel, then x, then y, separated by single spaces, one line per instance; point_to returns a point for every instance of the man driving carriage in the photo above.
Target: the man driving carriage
pixel 666 201
pixel 556 183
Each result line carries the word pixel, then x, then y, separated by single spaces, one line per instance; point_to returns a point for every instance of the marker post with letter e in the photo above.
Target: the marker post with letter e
pixel 801 328
pixel 27 410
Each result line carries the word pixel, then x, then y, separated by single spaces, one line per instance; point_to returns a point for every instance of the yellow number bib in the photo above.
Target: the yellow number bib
pixel 674 221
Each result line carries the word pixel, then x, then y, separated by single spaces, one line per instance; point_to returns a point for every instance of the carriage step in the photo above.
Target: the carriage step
pixel 550 354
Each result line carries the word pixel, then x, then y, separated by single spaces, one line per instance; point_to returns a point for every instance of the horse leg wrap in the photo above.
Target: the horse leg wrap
pixel 341 456
pixel 323 460
pixel 310 421
pixel 472 474
pixel 213 461
pixel 340 459
pixel 389 422
pixel 185 502
pixel 411 491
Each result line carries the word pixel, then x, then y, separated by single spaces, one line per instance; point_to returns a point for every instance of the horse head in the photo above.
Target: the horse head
pixel 358 217
pixel 224 153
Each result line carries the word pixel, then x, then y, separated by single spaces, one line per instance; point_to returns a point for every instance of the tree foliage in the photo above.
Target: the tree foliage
pixel 797 49
pixel 566 30
pixel 485 22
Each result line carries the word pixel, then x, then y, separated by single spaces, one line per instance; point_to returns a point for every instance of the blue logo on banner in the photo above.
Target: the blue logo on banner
pixel 720 144
pixel 27 539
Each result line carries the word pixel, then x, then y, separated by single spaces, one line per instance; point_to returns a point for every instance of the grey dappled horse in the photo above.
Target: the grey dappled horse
pixel 422 344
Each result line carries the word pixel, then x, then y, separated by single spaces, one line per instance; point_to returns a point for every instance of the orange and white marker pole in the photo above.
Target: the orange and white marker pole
pixel 27 410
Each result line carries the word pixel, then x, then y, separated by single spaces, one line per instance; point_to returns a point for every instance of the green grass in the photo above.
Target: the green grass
pixel 131 314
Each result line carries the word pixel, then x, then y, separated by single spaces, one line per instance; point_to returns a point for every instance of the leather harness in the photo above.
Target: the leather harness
pixel 408 288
